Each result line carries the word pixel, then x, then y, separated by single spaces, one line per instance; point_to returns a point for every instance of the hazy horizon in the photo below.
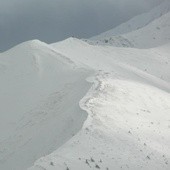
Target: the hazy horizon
pixel 54 20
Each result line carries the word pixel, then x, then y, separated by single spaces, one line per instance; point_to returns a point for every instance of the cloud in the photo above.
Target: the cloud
pixel 54 20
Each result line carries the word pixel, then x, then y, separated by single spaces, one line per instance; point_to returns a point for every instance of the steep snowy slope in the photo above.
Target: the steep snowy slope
pixel 137 22
pixel 39 94
pixel 127 128
pixel 128 110
pixel 111 58
pixel 154 33
pixel 122 122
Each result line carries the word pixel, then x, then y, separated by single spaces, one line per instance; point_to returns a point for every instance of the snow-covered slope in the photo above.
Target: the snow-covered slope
pixel 39 94
pixel 127 128
pixel 121 122
pixel 137 22
pixel 111 58
pixel 155 33
pixel 128 110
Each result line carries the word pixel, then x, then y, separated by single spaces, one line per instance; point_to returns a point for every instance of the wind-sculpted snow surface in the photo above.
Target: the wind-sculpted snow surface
pixel 129 63
pixel 39 94
pixel 127 128
pixel 121 122
pixel 128 110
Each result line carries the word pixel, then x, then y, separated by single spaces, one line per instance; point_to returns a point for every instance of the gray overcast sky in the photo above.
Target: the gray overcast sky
pixel 54 20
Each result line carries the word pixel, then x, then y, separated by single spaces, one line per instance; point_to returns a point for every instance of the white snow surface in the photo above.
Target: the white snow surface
pixel 39 94
pixel 148 30
pixel 153 35
pixel 71 105
pixel 138 21
pixel 128 110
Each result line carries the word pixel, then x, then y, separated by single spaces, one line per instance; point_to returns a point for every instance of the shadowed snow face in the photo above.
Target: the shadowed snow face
pixel 55 20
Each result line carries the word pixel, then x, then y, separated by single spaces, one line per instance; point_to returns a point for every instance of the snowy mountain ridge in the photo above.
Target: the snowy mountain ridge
pixel 123 105
pixel 32 85
pixel 137 22
pixel 72 105
pixel 156 30
pixel 154 34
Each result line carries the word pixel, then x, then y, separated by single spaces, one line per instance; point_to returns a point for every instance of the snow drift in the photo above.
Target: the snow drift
pixel 39 93
pixel 121 122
